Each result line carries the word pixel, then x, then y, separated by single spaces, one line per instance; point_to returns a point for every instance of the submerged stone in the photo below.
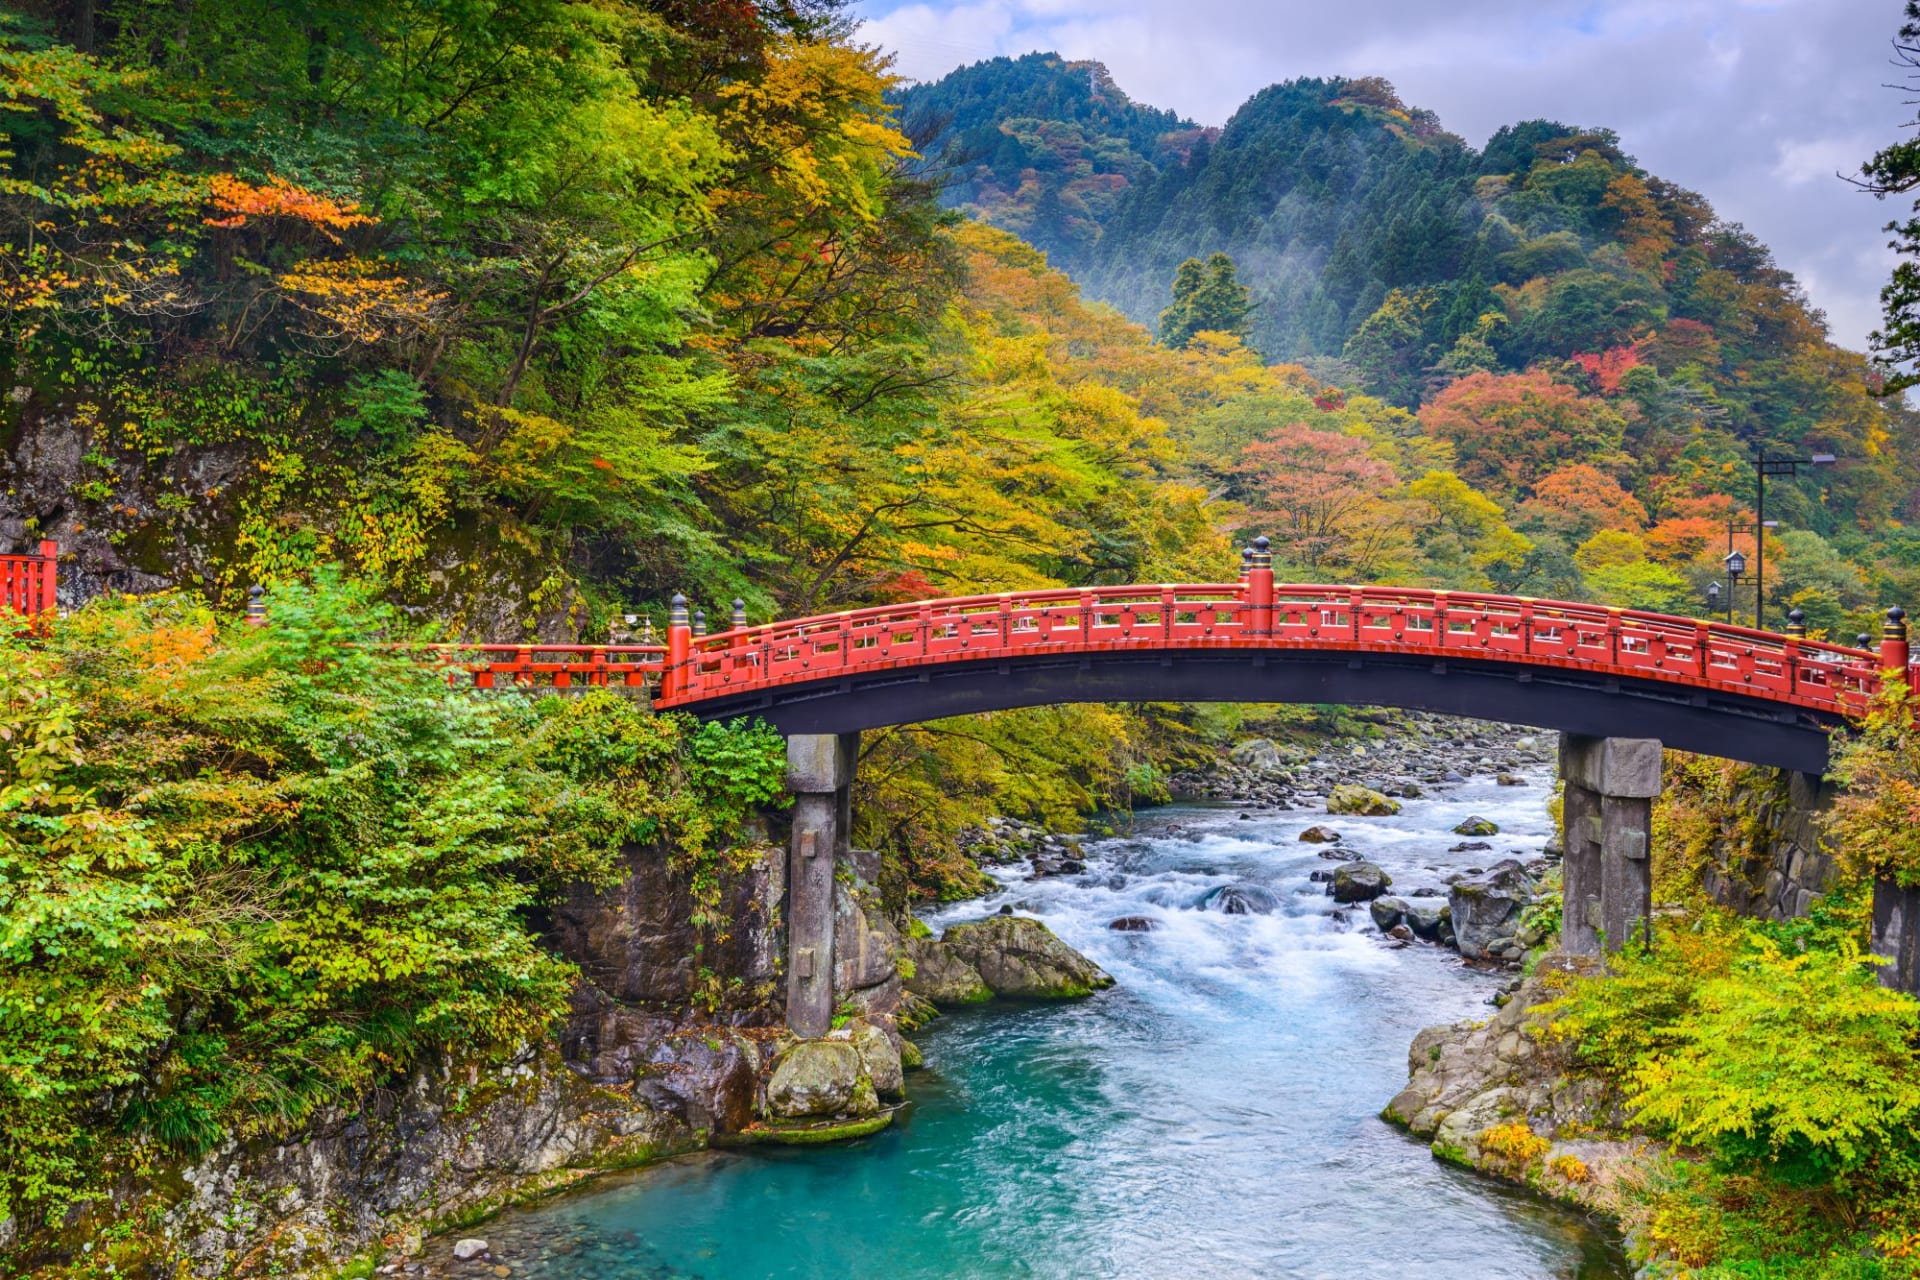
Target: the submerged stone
pixel 1239 900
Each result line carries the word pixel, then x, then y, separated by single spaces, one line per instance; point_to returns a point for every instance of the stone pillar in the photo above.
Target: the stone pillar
pixel 820 774
pixel 1608 814
pixel 1896 934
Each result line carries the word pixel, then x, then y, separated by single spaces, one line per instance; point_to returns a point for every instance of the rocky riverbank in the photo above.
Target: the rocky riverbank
pixel 1411 752
pixel 1505 1098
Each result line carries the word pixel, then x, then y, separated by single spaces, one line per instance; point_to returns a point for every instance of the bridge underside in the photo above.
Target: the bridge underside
pixel 1567 701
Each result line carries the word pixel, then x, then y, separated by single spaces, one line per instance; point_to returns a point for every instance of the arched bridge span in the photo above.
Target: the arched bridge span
pixel 1577 668
pixel 1617 684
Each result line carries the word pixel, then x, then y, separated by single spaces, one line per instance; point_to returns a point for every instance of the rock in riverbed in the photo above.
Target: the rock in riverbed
pixel 1239 900
pixel 942 976
pixel 1477 826
pixel 822 1078
pixel 1359 882
pixel 1487 910
pixel 1319 834
pixel 1019 957
pixel 1350 797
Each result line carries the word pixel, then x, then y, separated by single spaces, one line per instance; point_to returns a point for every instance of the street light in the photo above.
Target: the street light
pixel 1772 467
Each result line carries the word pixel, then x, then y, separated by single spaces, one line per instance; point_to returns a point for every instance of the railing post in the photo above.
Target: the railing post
pixel 1260 586
pixel 677 680
pixel 49 576
pixel 1894 654
pixel 256 605
pixel 739 614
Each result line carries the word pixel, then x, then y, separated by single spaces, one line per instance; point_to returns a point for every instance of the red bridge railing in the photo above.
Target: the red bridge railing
pixel 28 583
pixel 1251 614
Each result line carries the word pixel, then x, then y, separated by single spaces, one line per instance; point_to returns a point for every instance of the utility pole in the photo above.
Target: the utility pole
pixel 1770 466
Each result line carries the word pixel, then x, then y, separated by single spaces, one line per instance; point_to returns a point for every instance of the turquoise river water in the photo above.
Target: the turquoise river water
pixel 1214 1115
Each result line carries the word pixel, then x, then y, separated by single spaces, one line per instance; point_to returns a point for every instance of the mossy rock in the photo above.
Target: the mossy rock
pixel 1352 798
pixel 1020 957
pixel 805 1133
pixel 943 977
pixel 911 1059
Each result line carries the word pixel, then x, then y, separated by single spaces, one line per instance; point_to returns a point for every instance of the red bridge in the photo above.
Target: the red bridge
pixel 1578 668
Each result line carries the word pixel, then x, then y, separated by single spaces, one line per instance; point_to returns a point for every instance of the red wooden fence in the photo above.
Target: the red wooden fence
pixel 27 583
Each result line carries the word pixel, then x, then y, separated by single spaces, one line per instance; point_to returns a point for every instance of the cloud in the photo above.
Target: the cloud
pixel 1753 103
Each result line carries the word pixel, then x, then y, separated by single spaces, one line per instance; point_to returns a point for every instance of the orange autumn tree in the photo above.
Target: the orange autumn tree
pixel 1326 502
pixel 1575 500
pixel 1510 431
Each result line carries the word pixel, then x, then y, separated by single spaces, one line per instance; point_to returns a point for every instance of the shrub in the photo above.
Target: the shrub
pixel 245 873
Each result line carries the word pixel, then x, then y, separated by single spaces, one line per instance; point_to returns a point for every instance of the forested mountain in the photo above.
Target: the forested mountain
pixel 1554 314
pixel 1042 147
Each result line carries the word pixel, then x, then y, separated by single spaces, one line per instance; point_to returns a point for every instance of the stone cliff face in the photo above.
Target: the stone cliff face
pixel 127 522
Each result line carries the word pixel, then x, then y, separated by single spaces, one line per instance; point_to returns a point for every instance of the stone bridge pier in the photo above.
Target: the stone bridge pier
pixel 1611 784
pixel 820 769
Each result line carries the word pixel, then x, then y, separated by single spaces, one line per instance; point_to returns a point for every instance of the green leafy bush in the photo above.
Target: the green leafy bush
pixel 245 873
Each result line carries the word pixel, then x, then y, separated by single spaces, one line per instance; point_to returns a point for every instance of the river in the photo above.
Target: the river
pixel 1214 1115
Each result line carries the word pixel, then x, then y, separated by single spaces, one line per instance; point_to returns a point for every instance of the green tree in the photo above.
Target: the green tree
pixel 1895 171
pixel 1207 298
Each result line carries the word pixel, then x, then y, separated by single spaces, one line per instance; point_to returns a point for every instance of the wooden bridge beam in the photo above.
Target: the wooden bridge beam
pixel 1607 821
pixel 820 768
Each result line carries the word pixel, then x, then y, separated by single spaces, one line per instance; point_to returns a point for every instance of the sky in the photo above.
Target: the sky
pixel 1756 104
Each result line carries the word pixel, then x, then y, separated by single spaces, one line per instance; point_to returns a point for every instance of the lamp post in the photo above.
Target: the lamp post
pixel 1769 466
pixel 1736 574
pixel 1739 577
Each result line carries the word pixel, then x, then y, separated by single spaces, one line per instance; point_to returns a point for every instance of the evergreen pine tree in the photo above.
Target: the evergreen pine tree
pixel 1207 298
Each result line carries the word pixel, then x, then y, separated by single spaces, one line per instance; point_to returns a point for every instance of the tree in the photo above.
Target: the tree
pixel 1389 349
pixel 1895 170
pixel 1207 298
pixel 1575 500
pixel 1511 431
pixel 1325 502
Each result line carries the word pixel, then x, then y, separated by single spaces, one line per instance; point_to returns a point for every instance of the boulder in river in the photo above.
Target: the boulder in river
pixel 942 976
pixel 1428 919
pixel 1477 826
pixel 1388 912
pixel 1017 956
pixel 1260 755
pixel 1351 797
pixel 1133 924
pixel 1239 900
pixel 469 1250
pixel 880 1058
pixel 1359 882
pixel 1319 834
pixel 1486 910
pixel 821 1078
pixel 1511 780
